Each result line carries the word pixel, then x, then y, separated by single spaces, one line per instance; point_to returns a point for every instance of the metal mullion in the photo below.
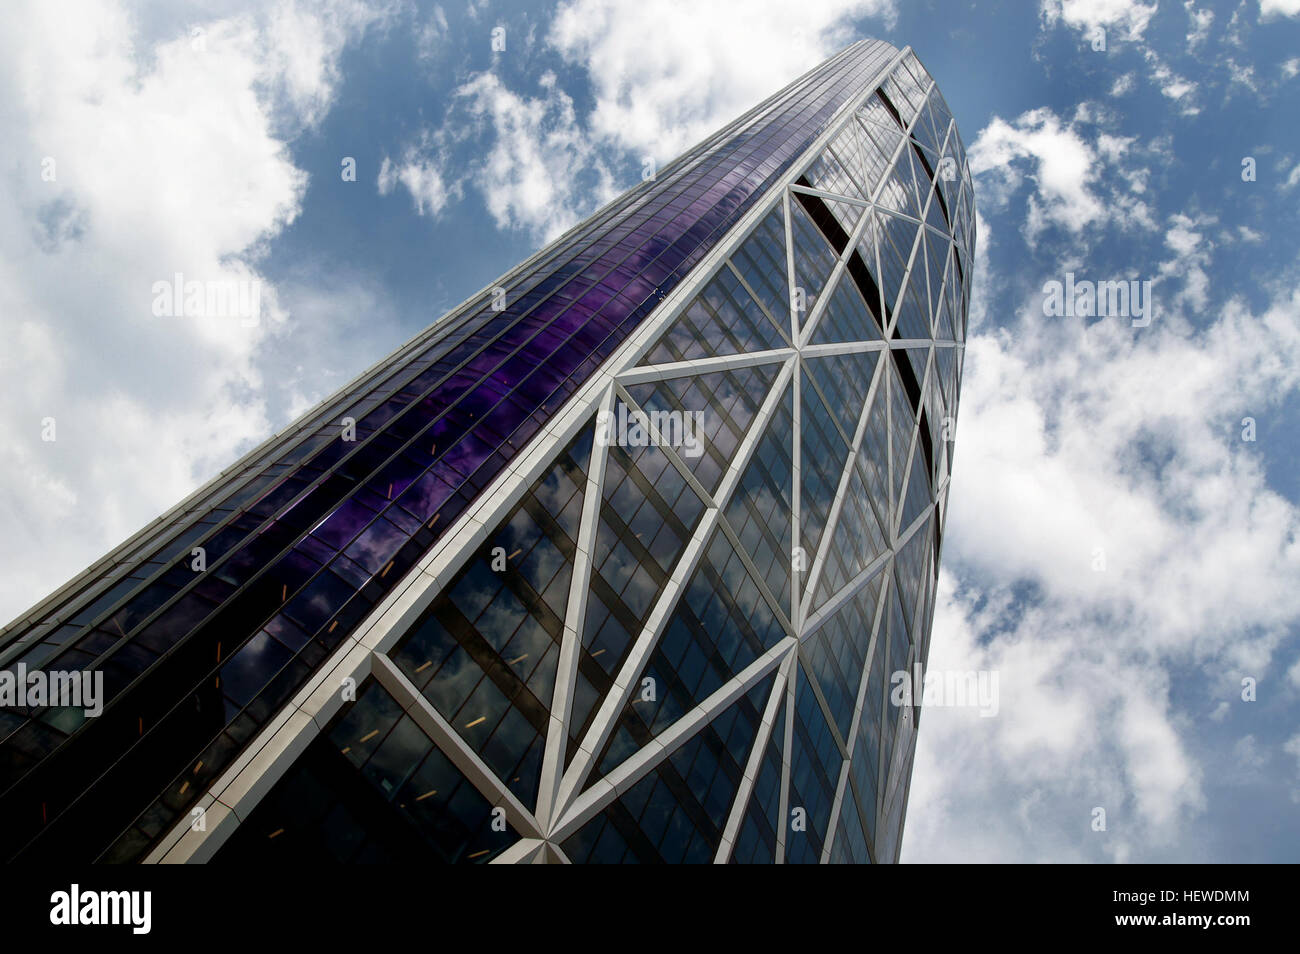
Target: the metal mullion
pixel 818 313
pixel 643 644
pixel 832 348
pixel 913 444
pixel 608 788
pixel 749 289
pixel 859 710
pixel 652 373
pixel 882 769
pixel 820 698
pixel 833 826
pixel 796 494
pixel 448 741
pixel 846 475
pixel 783 803
pixel 833 196
pixel 571 645
pixel 753 766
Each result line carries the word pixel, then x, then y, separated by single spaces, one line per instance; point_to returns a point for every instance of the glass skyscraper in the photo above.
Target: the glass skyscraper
pixel 614 562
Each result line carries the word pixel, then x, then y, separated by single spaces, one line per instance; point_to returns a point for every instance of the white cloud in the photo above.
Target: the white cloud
pixel 1242 74
pixel 1291 67
pixel 546 166
pixel 302 45
pixel 1087 15
pixel 1077 440
pixel 1178 88
pixel 1269 9
pixel 1235 33
pixel 1129 20
pixel 1189 265
pixel 1292 178
pixel 419 174
pixel 1292 747
pixel 542 171
pixel 432 33
pixel 1200 24
pixel 1124 85
pixel 979 296
pixel 1249 760
pixel 1077 186
pixel 1063 166
pixel 167 158
pixel 703 69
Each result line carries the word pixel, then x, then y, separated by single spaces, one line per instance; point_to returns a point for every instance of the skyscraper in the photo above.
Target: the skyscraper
pixel 612 562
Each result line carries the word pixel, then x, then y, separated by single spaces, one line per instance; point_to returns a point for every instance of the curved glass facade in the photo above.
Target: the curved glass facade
pixel 614 562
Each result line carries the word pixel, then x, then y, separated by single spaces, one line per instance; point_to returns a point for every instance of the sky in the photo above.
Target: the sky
pixel 1122 541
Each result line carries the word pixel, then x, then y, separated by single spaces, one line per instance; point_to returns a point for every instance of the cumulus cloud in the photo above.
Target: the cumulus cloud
pixel 1123 85
pixel 1089 15
pixel 656 99
pixel 432 32
pixel 1292 178
pixel 134 165
pixel 302 46
pixel 1200 22
pixel 1292 747
pixel 1270 9
pixel 1176 87
pixel 1063 166
pixel 542 171
pixel 1191 75
pixel 420 174
pixel 1077 185
pixel 1189 265
pixel 1249 760
pixel 546 165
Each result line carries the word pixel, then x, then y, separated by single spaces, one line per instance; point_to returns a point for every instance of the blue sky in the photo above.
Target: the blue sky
pixel 207 138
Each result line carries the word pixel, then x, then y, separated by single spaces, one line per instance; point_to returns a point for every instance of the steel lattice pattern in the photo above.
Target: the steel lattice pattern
pixel 621 649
